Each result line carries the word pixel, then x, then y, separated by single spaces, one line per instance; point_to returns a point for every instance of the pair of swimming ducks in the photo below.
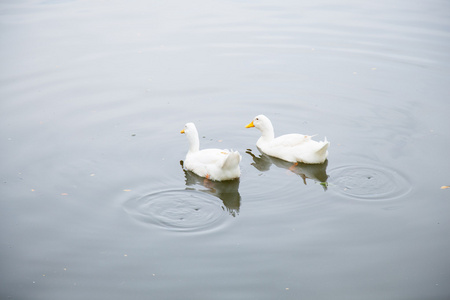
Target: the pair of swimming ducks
pixel 221 165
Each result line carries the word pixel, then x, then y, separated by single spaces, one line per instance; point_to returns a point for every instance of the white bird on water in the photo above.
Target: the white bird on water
pixel 290 147
pixel 213 164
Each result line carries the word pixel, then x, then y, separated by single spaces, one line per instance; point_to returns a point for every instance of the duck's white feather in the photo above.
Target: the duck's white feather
pixel 215 164
pixel 291 140
pixel 290 147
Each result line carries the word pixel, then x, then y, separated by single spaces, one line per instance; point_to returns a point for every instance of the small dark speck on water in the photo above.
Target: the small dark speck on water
pixel 134 134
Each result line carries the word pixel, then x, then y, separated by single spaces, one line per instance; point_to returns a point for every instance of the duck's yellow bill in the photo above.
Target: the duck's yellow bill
pixel 250 125
pixel 182 131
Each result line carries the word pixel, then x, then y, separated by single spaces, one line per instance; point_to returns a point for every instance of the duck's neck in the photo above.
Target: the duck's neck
pixel 194 142
pixel 267 132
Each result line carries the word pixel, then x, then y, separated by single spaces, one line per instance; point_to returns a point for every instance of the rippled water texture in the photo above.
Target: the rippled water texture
pixel 370 183
pixel 183 210
pixel 95 205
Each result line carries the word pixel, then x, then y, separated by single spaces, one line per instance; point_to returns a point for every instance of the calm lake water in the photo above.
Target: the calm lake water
pixel 94 201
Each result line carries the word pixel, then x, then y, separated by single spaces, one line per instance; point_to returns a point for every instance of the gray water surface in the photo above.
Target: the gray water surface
pixel 94 201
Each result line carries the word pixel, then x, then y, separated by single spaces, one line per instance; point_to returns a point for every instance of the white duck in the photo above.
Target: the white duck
pixel 214 164
pixel 290 147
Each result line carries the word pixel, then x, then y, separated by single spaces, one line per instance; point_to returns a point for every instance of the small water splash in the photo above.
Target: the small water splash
pixel 366 182
pixel 178 210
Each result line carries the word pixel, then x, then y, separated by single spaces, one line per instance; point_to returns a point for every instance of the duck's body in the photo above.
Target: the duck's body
pixel 290 147
pixel 214 164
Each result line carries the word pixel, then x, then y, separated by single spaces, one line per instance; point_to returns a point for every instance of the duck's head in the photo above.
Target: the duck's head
pixel 261 122
pixel 192 135
pixel 189 128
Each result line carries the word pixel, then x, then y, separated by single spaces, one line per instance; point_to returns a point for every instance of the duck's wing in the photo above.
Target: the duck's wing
pixel 210 156
pixel 291 140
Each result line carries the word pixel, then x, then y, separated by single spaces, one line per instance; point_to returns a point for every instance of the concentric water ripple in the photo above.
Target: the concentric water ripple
pixel 365 182
pixel 178 210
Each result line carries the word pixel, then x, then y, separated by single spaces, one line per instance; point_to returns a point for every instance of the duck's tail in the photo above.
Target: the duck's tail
pixel 324 148
pixel 232 160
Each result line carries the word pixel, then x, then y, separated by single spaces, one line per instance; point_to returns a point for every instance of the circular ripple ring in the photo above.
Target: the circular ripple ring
pixel 375 183
pixel 178 210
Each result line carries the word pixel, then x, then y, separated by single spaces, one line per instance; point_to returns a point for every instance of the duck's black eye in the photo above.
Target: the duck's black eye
pixel 257 119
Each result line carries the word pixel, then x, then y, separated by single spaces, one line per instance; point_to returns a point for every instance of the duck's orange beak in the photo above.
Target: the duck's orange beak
pixel 250 125
pixel 182 131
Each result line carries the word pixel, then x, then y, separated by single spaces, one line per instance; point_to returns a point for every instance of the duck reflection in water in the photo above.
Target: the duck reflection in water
pixel 316 172
pixel 227 191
